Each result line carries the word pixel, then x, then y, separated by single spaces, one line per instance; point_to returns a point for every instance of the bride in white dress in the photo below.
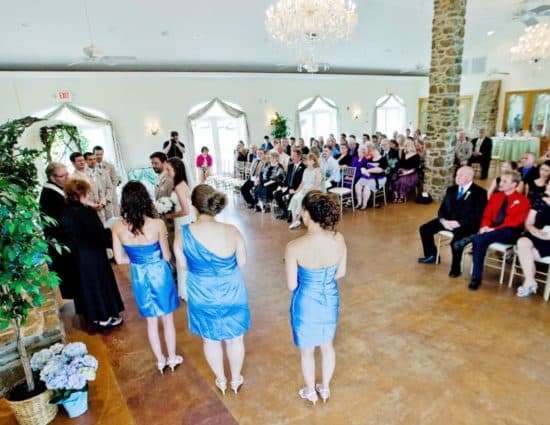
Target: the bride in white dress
pixel 183 211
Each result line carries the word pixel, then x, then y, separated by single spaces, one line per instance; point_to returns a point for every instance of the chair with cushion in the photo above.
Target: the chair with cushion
pixel 345 189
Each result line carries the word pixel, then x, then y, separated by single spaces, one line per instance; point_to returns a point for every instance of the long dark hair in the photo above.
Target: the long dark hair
pixel 180 174
pixel 135 205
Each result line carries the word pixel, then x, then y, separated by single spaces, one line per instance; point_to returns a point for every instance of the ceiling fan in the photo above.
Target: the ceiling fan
pixel 528 11
pixel 93 54
pixel 419 68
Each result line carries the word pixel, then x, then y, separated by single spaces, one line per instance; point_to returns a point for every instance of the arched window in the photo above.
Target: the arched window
pixel 317 116
pixel 95 129
pixel 391 114
pixel 218 125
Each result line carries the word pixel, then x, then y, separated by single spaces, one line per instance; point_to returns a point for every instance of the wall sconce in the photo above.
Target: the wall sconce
pixel 356 114
pixel 153 127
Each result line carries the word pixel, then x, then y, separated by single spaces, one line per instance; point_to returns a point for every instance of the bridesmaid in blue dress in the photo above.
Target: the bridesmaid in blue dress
pixel 142 241
pixel 311 276
pixel 217 304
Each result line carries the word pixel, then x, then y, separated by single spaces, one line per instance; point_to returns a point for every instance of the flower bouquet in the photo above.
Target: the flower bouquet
pixel 66 370
pixel 164 205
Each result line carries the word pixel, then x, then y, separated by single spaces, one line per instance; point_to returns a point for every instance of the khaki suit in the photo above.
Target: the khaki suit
pixel 109 172
pixel 97 192
pixel 164 186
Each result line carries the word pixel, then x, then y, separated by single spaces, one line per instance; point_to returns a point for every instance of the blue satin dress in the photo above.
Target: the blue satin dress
pixel 314 307
pixel 217 303
pixel 153 285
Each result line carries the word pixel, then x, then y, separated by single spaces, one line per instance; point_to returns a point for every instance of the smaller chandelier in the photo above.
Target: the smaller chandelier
pixel 534 45
pixel 309 23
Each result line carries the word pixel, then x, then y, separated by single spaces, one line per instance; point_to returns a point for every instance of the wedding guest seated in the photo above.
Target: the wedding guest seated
pixel 330 169
pixel 372 177
pixel 406 177
pixel 536 242
pixel 331 142
pixel 251 155
pixel 344 158
pixel 359 161
pixel 502 222
pixel 528 170
pixel 311 180
pixel 537 187
pixel 96 294
pixel 204 164
pixel 266 145
pixel 504 167
pixel 302 145
pixel 241 153
pixel 291 184
pixel 283 157
pixel 460 213
pixel 463 149
pixel 254 178
pixel 286 146
pixel 271 178
pixel 482 151
pixel 352 145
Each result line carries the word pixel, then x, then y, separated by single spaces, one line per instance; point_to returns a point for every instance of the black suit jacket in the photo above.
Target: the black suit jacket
pixel 297 179
pixel 52 204
pixel 467 210
pixel 485 149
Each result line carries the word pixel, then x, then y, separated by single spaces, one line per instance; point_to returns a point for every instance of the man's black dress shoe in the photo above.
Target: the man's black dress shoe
pixel 250 206
pixel 453 273
pixel 427 260
pixel 474 285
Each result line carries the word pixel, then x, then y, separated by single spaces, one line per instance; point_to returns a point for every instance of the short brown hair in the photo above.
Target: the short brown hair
pixel 208 200
pixel 323 208
pixel 76 188
pixel 516 176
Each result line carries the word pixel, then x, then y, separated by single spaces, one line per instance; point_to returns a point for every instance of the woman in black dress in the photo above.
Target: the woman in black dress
pixel 96 293
pixel 536 242
pixel 344 159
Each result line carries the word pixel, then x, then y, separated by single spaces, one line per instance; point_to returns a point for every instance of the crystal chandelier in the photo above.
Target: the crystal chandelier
pixel 309 23
pixel 534 45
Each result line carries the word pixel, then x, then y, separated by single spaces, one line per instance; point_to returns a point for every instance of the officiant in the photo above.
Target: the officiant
pixel 52 204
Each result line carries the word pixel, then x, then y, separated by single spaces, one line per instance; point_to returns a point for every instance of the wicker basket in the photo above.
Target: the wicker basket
pixel 34 411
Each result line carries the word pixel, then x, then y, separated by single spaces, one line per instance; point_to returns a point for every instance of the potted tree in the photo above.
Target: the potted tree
pixel 280 127
pixel 23 252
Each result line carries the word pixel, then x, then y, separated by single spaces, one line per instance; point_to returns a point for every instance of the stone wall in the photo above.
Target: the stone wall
pixel 445 72
pixel 485 115
pixel 43 328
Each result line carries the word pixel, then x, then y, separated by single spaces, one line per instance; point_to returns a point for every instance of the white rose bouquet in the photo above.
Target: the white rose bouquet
pixel 164 205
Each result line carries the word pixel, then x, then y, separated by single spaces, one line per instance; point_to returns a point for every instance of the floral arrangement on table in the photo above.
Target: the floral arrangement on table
pixel 164 205
pixel 65 369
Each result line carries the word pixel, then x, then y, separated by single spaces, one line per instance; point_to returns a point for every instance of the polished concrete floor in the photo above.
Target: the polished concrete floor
pixel 413 346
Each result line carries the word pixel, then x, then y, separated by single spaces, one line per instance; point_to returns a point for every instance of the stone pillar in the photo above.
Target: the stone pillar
pixel 485 115
pixel 445 72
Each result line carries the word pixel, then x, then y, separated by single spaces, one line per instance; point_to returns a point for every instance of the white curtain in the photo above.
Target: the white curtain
pixel 100 121
pixel 380 103
pixel 307 106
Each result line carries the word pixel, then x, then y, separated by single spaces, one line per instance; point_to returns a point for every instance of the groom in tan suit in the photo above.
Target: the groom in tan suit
pixel 164 185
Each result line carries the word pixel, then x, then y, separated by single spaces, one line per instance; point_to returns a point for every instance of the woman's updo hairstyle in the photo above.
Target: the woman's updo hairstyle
pixel 208 200
pixel 323 208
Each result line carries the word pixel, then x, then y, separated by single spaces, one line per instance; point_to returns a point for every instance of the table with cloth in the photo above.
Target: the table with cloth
pixel 511 148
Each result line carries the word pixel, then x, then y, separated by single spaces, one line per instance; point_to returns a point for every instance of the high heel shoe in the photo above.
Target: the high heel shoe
pixel 324 392
pixel 306 394
pixel 526 291
pixel 235 385
pixel 222 385
pixel 161 366
pixel 174 363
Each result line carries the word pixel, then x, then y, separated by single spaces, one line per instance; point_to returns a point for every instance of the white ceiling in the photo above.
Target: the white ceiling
pixel 227 35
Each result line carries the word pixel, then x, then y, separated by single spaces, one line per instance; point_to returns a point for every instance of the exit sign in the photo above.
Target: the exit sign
pixel 64 95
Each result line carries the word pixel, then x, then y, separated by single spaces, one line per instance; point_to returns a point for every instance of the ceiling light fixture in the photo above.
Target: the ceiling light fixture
pixel 309 23
pixel 490 33
pixel 533 45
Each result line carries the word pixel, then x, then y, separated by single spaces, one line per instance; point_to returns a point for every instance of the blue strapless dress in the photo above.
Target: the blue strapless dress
pixel 154 288
pixel 314 307
pixel 217 303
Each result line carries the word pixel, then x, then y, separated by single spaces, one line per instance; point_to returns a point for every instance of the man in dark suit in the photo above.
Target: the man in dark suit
pixel 255 170
pixel 502 222
pixel 460 213
pixel 292 182
pixel 482 150
pixel 52 204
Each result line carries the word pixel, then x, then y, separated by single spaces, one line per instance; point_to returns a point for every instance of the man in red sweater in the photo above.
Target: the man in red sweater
pixel 502 222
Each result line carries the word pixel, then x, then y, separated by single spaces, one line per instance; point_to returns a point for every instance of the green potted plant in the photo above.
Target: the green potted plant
pixel 23 252
pixel 280 127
